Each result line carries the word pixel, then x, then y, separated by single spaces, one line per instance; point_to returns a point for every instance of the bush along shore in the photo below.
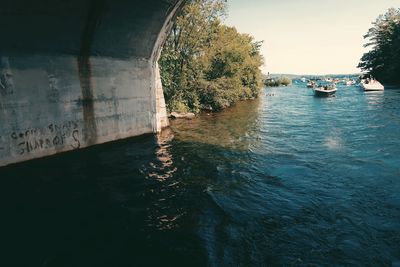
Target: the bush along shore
pixel 206 65
pixel 277 81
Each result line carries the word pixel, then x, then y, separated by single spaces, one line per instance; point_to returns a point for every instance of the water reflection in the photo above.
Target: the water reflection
pixel 162 215
pixel 374 98
pixel 163 168
pixel 240 126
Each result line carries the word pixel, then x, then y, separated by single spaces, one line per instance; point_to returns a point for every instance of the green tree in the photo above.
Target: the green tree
pixel 383 60
pixel 207 65
pixel 191 34
pixel 231 69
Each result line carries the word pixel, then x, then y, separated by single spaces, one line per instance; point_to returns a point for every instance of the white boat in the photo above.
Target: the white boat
pixel 325 90
pixel 372 85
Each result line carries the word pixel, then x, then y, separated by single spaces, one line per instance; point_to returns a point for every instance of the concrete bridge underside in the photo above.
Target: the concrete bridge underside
pixel 75 73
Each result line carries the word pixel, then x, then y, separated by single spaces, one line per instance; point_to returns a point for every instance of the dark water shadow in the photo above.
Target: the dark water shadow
pixel 112 205
pixel 135 202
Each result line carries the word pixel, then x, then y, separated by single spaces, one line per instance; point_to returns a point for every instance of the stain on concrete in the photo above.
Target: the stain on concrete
pixel 6 77
pixel 53 95
pixel 93 21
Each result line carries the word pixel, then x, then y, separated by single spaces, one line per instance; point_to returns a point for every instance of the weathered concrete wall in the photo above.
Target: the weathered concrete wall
pixel 78 73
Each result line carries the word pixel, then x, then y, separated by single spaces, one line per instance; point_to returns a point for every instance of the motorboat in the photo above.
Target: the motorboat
pixel 327 90
pixel 311 84
pixel 371 85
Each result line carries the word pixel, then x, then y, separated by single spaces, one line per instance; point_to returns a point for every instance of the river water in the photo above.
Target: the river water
pixel 285 180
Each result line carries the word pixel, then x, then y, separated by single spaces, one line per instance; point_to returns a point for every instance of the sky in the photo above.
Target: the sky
pixel 308 36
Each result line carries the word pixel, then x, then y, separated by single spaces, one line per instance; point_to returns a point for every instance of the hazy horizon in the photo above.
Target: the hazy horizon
pixel 308 37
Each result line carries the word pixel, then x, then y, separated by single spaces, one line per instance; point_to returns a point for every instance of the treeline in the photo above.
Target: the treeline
pixel 383 60
pixel 277 81
pixel 205 64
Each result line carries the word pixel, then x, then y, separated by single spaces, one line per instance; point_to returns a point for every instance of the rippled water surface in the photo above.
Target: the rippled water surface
pixel 285 180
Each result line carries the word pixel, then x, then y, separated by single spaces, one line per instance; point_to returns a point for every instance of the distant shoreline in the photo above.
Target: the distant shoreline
pixel 294 76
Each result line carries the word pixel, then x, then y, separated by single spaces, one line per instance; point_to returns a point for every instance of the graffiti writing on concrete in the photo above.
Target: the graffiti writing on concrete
pixel 54 136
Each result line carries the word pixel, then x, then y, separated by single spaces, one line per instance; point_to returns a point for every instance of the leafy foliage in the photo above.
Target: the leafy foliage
pixel 383 60
pixel 205 64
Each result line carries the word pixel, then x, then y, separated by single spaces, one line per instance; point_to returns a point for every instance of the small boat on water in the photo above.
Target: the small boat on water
pixel 371 85
pixel 311 84
pixel 327 90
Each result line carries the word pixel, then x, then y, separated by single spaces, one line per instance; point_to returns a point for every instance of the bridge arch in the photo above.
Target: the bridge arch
pixel 75 73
